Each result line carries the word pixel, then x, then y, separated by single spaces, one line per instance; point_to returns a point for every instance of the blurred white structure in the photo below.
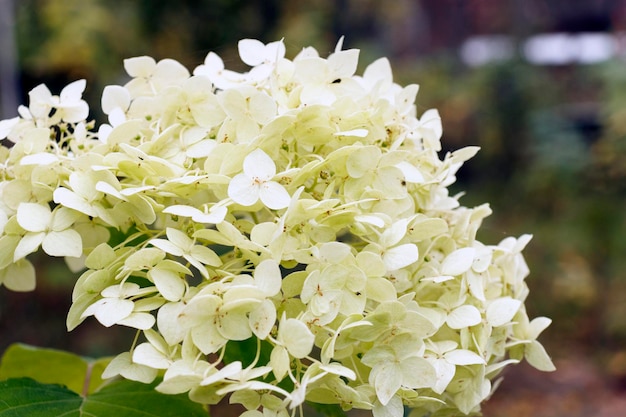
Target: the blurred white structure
pixel 564 48
pixel 543 49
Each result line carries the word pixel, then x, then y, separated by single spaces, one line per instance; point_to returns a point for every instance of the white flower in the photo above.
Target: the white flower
pixel 150 76
pixel 256 183
pixel 323 80
pixel 68 106
pixel 262 57
pixel 214 69
pixel 51 230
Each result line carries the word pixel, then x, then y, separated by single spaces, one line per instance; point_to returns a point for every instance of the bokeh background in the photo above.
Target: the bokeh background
pixel 540 85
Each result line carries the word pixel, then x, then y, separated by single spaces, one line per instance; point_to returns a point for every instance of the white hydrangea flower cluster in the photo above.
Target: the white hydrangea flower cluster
pixel 279 236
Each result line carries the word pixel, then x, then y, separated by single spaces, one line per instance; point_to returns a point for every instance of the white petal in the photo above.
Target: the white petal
pixel 267 277
pixel 179 238
pixel 40 100
pixel 63 218
pixel 243 190
pixel 182 210
pixel 33 217
pixel 141 66
pixel 251 51
pixel 359 133
pixel 72 200
pixel 3 221
pixel 139 321
pixel 144 258
pixel 445 372
pixel 274 195
pixel 115 96
pixel 373 219
pixel 7 125
pixel 19 276
pixel 171 71
pixel 536 355
pixel 387 381
pixel 464 154
pixel 463 357
pixel 463 316
pixel 482 259
pixel 216 215
pixel 400 256
pixel 411 173
pixel 338 369
pixel 41 158
pixel 167 246
pixel 28 244
pixel 64 243
pixel 394 234
pixel 380 289
pixel 204 255
pixel 430 125
pixel 146 354
pixel 476 285
pixel 279 361
pixel 417 372
pixel 262 319
pixel 458 261
pixel 73 91
pixel 76 113
pixel 169 283
pixel 262 108
pixel 538 325
pixel 379 70
pixel 502 310
pixel 362 160
pixel 109 311
pixel 227 371
pixel 343 63
pixel 394 408
pixel 167 322
pixel 258 165
pixel 296 337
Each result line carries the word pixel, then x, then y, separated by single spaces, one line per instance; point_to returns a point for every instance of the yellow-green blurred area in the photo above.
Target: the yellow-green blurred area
pixel 539 85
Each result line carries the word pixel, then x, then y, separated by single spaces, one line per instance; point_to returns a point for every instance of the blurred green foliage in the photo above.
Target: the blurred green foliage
pixel 553 159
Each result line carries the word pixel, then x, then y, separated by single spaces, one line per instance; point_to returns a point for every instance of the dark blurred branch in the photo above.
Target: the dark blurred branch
pixel 8 61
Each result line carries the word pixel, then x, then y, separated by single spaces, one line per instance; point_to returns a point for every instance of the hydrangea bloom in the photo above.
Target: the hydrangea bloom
pixel 298 209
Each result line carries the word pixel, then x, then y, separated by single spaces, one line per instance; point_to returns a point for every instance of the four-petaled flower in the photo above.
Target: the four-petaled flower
pixel 50 229
pixel 256 183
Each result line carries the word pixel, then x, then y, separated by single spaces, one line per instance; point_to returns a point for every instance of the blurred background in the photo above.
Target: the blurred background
pixel 539 85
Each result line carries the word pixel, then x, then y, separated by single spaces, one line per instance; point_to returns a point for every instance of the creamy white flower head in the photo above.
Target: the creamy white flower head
pixel 288 229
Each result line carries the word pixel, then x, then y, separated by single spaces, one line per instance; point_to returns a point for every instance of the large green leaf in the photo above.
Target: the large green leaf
pixel 27 397
pixel 51 366
pixel 328 410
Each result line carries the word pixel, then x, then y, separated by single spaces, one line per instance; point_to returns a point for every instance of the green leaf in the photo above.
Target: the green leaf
pixel 49 366
pixel 245 351
pixel 329 410
pixel 27 397
pixel 141 400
